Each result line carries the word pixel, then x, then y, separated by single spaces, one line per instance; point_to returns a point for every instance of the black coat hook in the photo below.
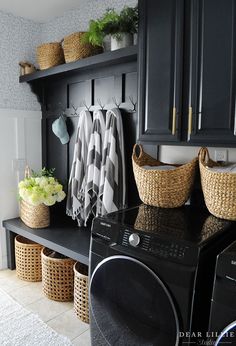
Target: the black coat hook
pixel 133 103
pixel 100 104
pixel 116 103
pixel 85 105
pixel 75 110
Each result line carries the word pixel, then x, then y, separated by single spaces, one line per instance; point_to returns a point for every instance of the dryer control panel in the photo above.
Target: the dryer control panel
pixel 156 246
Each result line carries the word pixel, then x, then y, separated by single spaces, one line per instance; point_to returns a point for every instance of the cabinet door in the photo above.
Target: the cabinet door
pixel 211 118
pixel 160 69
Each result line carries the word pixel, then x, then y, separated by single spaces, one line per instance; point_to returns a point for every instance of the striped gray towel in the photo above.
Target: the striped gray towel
pixel 77 181
pixel 112 189
pixel 94 162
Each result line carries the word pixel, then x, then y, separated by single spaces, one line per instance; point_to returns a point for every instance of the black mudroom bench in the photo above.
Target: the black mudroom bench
pixel 62 237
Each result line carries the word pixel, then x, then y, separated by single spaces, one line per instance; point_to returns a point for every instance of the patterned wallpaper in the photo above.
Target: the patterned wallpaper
pixel 78 20
pixel 20 37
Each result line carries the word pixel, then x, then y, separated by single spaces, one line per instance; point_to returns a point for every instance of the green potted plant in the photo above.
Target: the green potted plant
pixel 120 27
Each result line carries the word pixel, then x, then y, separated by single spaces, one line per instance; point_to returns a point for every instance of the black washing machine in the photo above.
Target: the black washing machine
pixel 223 310
pixel 151 275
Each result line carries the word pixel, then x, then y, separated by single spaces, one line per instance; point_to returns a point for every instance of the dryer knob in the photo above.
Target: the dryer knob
pixel 134 239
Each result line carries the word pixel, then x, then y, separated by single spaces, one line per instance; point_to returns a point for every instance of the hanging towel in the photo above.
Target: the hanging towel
pixel 94 162
pixel 77 181
pixel 112 189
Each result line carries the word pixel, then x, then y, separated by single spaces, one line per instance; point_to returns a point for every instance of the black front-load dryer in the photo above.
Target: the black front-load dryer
pixel 223 308
pixel 151 275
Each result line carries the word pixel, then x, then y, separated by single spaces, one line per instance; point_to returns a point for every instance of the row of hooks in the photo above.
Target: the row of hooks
pixel 133 110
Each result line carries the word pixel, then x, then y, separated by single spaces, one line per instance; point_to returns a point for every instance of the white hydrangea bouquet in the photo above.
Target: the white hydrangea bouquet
pixel 37 192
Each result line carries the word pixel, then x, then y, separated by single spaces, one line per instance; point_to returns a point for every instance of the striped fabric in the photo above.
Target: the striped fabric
pixel 112 189
pixel 94 162
pixel 77 181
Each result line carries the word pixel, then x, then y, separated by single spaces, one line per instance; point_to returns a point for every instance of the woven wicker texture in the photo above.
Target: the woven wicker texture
pixel 34 216
pixel 160 220
pixel 75 49
pixel 219 188
pixel 81 294
pixel 49 55
pixel 57 277
pixel 28 259
pixel 166 189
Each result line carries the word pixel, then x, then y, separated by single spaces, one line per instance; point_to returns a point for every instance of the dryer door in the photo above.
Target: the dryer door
pixel 131 305
pixel 227 336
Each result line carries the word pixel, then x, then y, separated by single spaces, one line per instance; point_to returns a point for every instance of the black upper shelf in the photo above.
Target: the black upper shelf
pixel 115 57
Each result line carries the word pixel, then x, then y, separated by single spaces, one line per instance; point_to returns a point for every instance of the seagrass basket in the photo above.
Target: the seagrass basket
pixel 28 259
pixel 219 188
pixel 166 189
pixel 34 216
pixel 81 293
pixel 57 276
pixel 49 55
pixel 75 49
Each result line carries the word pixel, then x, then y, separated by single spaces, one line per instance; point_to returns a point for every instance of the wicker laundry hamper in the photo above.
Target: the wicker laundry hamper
pixel 75 49
pixel 166 189
pixel 57 276
pixel 34 216
pixel 49 55
pixel 28 259
pixel 219 188
pixel 81 292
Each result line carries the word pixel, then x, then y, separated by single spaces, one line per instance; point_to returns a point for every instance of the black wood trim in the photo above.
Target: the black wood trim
pixel 119 56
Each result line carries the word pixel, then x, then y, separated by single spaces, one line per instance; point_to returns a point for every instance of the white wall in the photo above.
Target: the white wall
pixel 183 154
pixel 20 138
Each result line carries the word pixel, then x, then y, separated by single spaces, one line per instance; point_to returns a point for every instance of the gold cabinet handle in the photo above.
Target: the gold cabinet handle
pixel 190 120
pixel 174 121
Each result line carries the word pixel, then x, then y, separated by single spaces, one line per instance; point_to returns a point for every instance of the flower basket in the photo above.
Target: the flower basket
pixel 34 216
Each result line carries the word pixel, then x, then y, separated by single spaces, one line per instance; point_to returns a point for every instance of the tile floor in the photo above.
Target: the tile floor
pixel 59 316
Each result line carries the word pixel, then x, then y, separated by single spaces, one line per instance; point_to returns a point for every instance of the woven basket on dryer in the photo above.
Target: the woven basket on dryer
pixel 162 188
pixel 75 49
pixel 219 188
pixel 34 216
pixel 81 294
pixel 28 259
pixel 57 277
pixel 49 55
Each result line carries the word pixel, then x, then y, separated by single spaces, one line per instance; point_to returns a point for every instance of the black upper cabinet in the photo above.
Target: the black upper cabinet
pixel 160 69
pixel 196 83
pixel 212 72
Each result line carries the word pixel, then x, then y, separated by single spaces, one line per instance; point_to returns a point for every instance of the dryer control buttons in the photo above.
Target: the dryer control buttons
pixel 134 239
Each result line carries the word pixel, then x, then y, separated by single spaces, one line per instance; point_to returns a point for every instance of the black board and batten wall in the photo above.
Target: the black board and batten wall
pixel 93 88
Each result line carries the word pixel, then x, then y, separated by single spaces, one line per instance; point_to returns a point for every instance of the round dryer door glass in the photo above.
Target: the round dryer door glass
pixel 131 305
pixel 228 336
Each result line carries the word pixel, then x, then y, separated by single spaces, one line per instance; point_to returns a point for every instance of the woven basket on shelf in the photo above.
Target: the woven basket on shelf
pixel 49 55
pixel 219 188
pixel 75 49
pixel 28 259
pixel 81 295
pixel 34 216
pixel 57 277
pixel 166 189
